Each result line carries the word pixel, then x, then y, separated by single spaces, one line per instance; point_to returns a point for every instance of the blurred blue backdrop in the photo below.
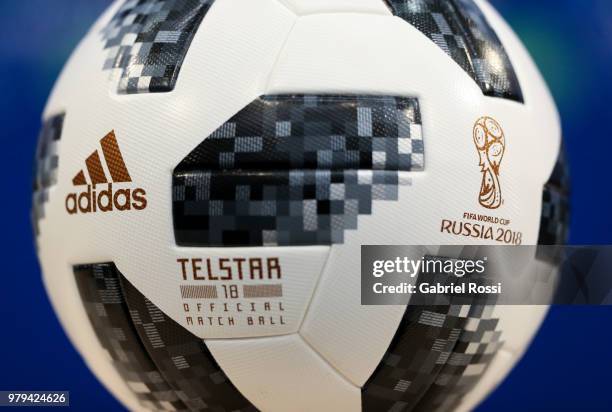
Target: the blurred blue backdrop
pixel 567 367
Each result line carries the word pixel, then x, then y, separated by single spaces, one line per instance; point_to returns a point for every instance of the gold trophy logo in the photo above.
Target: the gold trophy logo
pixel 491 145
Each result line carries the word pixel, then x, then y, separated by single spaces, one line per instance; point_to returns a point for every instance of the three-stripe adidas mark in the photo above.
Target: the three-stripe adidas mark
pixel 105 200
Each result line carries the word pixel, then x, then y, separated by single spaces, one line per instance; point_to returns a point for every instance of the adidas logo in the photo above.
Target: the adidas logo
pixel 108 199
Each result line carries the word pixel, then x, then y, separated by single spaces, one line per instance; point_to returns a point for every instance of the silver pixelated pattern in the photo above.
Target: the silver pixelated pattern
pixel 165 366
pixel 295 170
pixel 45 166
pixel 438 354
pixel 147 41
pixel 108 313
pixel 554 225
pixel 182 358
pixel 460 29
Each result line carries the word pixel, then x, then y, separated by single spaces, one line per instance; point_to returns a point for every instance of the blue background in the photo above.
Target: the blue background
pixel 567 367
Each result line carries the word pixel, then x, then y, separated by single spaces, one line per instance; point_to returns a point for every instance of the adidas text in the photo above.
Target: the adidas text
pixel 106 200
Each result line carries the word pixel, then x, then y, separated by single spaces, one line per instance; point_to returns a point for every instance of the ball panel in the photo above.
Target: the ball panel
pixel 519 325
pixel 165 366
pixel 436 356
pixel 478 342
pixel 554 226
pixel 460 29
pixel 155 131
pixel 351 337
pixel 295 170
pixel 539 109
pixel 147 42
pixel 45 166
pixel 498 369
pixel 284 373
pixel 182 358
pixel 109 315
pixel 450 104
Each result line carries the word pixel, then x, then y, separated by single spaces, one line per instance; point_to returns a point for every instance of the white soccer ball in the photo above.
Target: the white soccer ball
pixel 208 171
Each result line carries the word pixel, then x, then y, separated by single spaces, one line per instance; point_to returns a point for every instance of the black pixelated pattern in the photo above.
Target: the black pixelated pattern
pixel 460 29
pixel 295 170
pixel 109 315
pixel 166 367
pixel 470 358
pixel 554 225
pixel 147 41
pixel 45 166
pixel 182 358
pixel 438 354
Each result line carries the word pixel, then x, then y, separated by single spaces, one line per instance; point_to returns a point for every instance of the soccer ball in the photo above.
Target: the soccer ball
pixel 208 170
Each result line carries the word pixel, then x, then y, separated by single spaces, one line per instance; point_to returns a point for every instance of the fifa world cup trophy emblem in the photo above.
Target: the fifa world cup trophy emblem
pixel 491 145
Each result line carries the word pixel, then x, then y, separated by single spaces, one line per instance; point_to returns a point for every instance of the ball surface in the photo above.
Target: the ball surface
pixel 208 170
